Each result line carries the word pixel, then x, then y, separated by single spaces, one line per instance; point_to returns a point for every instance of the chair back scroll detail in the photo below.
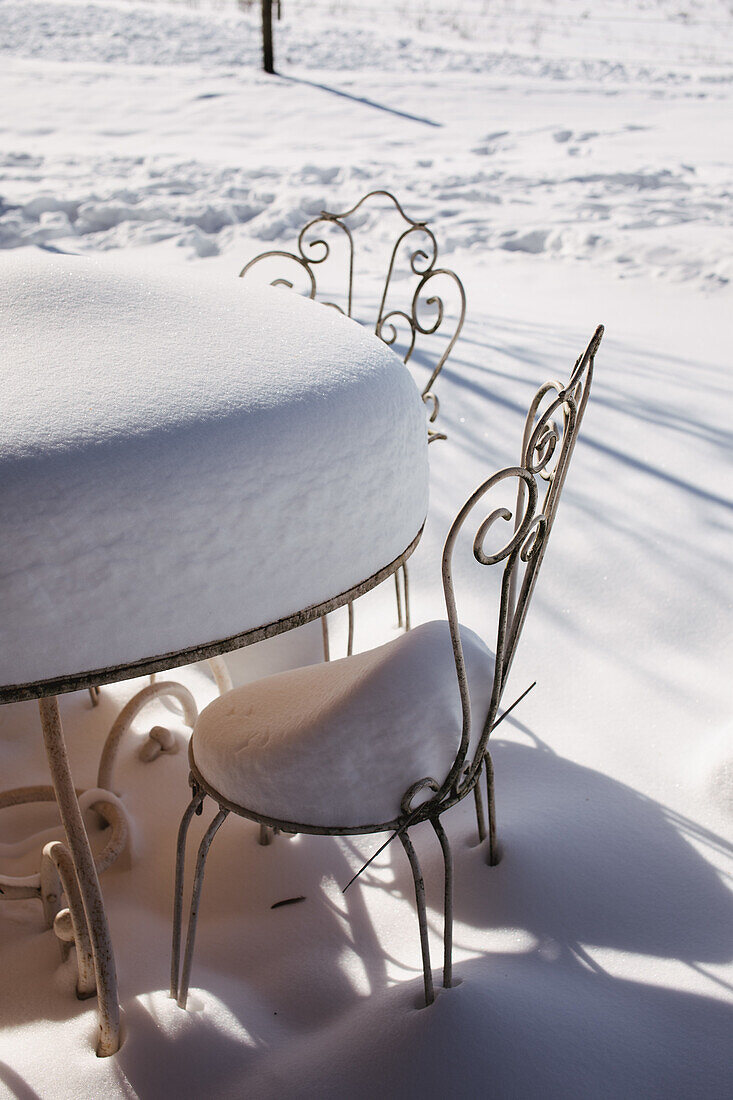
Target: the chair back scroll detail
pixel 549 439
pixel 548 444
pixel 425 312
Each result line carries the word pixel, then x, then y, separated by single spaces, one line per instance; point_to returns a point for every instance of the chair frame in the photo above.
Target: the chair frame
pixel 548 445
pixel 313 250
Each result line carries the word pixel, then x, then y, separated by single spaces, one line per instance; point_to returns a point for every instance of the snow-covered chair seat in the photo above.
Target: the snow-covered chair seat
pixel 338 744
pixel 184 459
pixel 397 736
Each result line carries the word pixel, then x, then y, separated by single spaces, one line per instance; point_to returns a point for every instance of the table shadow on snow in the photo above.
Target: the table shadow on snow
pixel 517 1027
pixel 15 1084
pixel 514 371
pixel 588 862
pixel 656 516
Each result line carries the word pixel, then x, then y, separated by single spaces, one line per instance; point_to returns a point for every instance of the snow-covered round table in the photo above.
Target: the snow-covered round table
pixel 187 464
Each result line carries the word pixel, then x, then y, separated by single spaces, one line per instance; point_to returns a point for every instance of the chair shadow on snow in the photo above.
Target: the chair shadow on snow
pixel 588 863
pixel 16 1086
pixel 514 369
pixel 656 518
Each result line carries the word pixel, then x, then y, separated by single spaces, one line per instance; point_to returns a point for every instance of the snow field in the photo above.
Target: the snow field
pixel 592 958
pixel 595 960
pixel 570 173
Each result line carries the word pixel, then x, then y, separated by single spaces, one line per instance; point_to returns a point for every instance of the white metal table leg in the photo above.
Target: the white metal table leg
pixel 86 874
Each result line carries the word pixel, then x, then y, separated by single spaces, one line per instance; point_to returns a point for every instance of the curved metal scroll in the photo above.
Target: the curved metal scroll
pixel 424 314
pixel 549 440
pixel 125 718
pixel 522 538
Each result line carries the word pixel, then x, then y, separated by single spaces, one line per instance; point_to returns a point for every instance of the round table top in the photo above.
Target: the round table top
pixel 187 463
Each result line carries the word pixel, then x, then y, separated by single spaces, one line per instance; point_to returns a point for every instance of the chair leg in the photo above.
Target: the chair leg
pixel 350 643
pixel 403 618
pixel 493 849
pixel 480 819
pixel 195 899
pixel 398 596
pixel 194 805
pixel 350 640
pixel 421 916
pixel 447 903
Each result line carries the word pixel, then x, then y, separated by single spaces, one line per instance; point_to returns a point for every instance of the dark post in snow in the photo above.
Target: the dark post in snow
pixel 268 61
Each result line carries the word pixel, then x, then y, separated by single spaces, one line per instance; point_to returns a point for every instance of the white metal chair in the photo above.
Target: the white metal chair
pixel 383 740
pixel 420 304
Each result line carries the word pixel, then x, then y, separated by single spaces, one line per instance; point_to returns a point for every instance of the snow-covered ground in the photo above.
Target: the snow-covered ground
pixel 577 168
pixel 168 131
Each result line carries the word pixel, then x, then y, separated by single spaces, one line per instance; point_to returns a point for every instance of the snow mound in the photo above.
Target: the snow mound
pixel 271 419
pixel 338 744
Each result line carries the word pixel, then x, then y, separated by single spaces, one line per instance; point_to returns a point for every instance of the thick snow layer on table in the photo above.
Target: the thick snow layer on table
pixel 339 744
pixel 187 458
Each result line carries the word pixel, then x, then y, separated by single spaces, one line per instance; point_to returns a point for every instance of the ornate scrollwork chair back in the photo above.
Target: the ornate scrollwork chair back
pixel 520 544
pixel 308 751
pixel 413 301
pixel 418 310
pixel 550 432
